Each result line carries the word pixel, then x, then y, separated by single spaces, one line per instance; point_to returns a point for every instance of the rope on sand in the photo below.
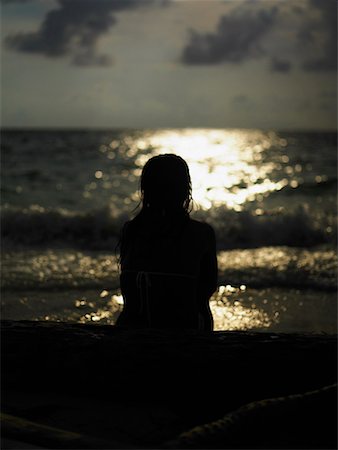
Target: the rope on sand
pixel 238 427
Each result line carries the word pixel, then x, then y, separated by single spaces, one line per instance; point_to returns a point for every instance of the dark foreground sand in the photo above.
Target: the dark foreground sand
pixel 92 386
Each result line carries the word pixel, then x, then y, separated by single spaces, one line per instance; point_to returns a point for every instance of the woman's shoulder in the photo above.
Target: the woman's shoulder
pixel 202 228
pixel 130 224
pixel 125 227
pixel 127 230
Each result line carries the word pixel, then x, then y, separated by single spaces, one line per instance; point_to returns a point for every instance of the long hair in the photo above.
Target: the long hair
pixel 165 187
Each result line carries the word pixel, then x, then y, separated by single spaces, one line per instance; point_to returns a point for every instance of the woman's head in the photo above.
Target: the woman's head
pixel 166 184
pixel 166 191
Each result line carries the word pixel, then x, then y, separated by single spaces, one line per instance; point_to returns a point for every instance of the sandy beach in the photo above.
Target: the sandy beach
pixel 75 386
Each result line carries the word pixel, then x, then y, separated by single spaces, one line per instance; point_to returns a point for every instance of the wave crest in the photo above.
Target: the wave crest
pixel 100 229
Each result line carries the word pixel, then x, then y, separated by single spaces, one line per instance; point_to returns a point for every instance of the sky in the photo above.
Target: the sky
pixel 267 64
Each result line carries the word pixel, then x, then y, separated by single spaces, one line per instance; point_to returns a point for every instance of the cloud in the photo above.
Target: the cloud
pixel 236 39
pixel 73 29
pixel 321 32
pixel 302 34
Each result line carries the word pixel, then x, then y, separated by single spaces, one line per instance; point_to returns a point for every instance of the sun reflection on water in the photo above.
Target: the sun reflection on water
pixel 233 315
pixel 228 314
pixel 223 164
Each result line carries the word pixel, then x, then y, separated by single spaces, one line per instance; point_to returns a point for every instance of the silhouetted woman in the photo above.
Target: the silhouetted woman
pixel 168 261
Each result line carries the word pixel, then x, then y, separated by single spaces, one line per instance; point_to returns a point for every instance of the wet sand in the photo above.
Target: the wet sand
pixel 94 386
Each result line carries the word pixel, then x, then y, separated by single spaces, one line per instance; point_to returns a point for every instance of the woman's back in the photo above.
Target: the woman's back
pixel 173 266
pixel 168 261
pixel 166 247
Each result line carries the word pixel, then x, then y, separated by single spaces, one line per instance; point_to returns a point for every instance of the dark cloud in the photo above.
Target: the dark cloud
pixel 237 38
pixel 74 29
pixel 326 28
pixel 280 65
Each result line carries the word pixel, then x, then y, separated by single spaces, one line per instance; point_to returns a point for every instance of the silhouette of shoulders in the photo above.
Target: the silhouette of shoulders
pixel 201 229
pixel 176 249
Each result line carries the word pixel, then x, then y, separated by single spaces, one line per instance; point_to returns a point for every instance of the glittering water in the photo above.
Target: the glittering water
pixel 270 196
pixel 281 289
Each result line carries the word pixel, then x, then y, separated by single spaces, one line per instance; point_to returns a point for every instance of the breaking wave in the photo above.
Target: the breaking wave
pixel 100 229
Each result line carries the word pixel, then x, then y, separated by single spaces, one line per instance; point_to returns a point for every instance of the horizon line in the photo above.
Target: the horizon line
pixel 125 128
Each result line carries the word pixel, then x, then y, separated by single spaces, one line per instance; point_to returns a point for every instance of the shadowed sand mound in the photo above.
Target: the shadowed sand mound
pixel 92 386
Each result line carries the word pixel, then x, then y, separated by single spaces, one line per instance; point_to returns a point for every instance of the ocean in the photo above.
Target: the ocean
pixel 270 196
